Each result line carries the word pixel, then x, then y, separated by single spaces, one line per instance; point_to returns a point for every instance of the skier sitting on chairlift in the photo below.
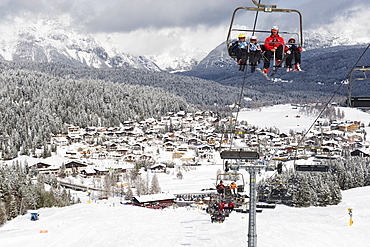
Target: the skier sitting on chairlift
pixel 254 53
pixel 294 51
pixel 241 51
pixel 273 44
pixel 233 188
pixel 220 188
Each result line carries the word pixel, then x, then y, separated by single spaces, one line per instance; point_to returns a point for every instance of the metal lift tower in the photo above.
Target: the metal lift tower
pixel 243 158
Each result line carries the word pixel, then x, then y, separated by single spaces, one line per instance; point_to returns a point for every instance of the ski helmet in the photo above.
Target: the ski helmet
pixel 275 28
pixel 253 38
pixel 241 36
pixel 291 40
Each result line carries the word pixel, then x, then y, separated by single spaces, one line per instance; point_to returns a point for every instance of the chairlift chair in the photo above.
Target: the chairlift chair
pixel 358 101
pixel 263 8
pixel 231 177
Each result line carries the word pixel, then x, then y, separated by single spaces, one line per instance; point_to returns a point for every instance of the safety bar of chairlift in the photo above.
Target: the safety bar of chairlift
pixel 362 68
pixel 264 43
pixel 262 31
pixel 272 9
pixel 270 43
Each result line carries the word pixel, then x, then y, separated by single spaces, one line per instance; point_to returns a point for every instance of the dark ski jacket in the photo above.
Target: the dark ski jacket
pixel 293 48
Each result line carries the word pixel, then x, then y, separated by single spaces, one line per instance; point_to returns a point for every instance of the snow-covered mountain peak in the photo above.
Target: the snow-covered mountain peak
pixel 42 39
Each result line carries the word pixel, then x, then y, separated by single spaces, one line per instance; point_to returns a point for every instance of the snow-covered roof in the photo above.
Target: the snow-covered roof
pixel 89 170
pixel 154 197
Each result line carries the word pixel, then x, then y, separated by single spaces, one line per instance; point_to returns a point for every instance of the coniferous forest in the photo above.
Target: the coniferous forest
pixel 35 105
pixel 303 189
pixel 20 190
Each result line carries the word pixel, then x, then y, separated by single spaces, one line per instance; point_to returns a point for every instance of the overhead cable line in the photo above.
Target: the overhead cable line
pixel 232 129
pixel 331 98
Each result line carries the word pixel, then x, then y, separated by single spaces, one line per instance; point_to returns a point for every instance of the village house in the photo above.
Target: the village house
pixel 74 167
pixel 360 153
pixel 349 126
pixel 43 168
pixel 196 134
pixel 182 148
pixel 88 172
pixel 158 168
pixel 59 140
pixel 169 146
pixel 129 158
pixel 137 148
pixel 152 200
pixel 101 171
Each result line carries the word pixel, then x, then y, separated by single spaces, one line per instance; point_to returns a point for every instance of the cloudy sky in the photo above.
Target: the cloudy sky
pixel 145 27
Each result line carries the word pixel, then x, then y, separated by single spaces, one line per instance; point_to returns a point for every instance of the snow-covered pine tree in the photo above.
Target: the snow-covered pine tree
pixel 140 186
pixel 155 188
pixel 3 215
pixel 129 194
pixel 179 175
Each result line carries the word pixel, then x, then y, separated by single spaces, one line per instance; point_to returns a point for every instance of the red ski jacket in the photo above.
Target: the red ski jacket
pixel 269 45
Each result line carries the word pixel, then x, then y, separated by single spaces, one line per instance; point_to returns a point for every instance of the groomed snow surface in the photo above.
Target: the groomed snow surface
pixel 109 223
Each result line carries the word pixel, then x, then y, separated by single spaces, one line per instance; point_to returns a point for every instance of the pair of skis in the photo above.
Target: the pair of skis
pixel 276 67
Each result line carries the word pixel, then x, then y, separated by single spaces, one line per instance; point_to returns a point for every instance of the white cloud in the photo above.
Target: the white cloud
pixel 201 34
pixel 176 40
pixel 150 27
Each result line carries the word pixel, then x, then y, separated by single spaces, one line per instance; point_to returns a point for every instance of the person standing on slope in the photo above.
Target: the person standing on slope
pixel 274 44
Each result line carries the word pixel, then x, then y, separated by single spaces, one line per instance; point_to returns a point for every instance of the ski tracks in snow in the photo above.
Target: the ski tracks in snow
pixel 195 233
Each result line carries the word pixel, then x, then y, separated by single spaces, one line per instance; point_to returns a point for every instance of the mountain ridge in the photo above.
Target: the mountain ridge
pixel 59 40
pixel 56 41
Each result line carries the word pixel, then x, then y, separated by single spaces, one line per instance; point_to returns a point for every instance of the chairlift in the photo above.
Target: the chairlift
pixel 227 178
pixel 262 8
pixel 324 153
pixel 358 101
pixel 312 168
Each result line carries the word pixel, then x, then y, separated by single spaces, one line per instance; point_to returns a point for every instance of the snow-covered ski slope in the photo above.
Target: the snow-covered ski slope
pixel 110 224
pixel 287 117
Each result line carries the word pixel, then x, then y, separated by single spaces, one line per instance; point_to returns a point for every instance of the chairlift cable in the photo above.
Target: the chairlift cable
pixel 242 90
pixel 326 105
pixel 255 20
pixel 237 110
pixel 238 105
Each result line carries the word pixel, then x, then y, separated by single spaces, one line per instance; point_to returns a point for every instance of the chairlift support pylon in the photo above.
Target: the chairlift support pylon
pixel 358 102
pixel 263 8
pixel 253 169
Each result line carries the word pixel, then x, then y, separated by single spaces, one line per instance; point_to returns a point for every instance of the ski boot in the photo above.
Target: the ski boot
pixel 297 67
